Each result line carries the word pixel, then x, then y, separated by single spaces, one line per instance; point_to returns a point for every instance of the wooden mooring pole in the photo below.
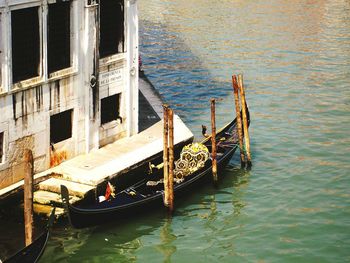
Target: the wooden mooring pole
pixel 165 153
pixel 245 120
pixel 171 161
pixel 238 118
pixel 213 141
pixel 28 196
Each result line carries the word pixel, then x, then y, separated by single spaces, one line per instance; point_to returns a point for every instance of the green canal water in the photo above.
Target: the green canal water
pixel 294 204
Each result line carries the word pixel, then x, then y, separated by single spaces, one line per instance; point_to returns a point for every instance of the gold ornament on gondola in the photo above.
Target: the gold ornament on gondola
pixel 193 156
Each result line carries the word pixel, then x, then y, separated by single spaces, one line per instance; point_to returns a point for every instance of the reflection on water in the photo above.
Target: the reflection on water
pixel 295 56
pixel 166 238
pixel 293 206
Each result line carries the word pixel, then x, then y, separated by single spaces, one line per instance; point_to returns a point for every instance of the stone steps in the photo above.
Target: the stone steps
pixel 48 195
pixel 52 199
pixel 45 210
pixel 75 189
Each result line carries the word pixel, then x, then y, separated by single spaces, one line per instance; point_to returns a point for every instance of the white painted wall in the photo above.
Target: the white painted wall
pixel 26 107
pixel 132 66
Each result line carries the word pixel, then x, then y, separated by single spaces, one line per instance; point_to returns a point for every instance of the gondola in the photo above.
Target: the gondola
pixel 32 252
pixel 149 191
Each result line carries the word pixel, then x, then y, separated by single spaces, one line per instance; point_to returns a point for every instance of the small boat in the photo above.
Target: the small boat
pixel 32 252
pixel 149 191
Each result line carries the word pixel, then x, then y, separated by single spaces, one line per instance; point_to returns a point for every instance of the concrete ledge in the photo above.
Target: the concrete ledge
pixel 46 210
pixel 75 189
pixel 107 162
pixel 49 198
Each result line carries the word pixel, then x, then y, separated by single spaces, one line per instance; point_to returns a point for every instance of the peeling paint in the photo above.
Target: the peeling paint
pixel 39 98
pixel 26 102
pixel 35 100
pixel 50 104
pixel 57 93
pixel 24 110
pixel 15 153
pixel 57 157
pixel 14 106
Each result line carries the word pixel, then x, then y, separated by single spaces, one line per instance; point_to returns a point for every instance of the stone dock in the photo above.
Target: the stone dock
pixel 82 174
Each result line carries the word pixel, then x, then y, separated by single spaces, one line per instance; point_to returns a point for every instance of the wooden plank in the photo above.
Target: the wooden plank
pixel 245 120
pixel 238 118
pixel 28 196
pixel 213 141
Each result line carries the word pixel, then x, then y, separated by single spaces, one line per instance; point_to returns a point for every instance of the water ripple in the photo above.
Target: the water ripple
pixel 293 206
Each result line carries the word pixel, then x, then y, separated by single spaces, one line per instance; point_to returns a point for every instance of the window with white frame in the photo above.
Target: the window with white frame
pixel 25 43
pixel 59 36
pixel 112 27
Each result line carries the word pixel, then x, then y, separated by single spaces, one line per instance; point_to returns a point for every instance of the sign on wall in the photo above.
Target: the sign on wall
pixel 107 78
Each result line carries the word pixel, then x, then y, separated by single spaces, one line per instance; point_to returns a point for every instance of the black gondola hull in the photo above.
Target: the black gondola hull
pixel 32 252
pixel 85 218
pixel 124 206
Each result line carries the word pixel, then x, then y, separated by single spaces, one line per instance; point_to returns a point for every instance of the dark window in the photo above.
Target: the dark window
pixel 111 27
pixel 25 43
pixel 59 36
pixel 110 108
pixel 1 146
pixel 61 126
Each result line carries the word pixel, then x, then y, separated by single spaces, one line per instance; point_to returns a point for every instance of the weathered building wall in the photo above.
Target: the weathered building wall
pixel 26 120
pixel 36 112
pixel 112 82
pixel 27 105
